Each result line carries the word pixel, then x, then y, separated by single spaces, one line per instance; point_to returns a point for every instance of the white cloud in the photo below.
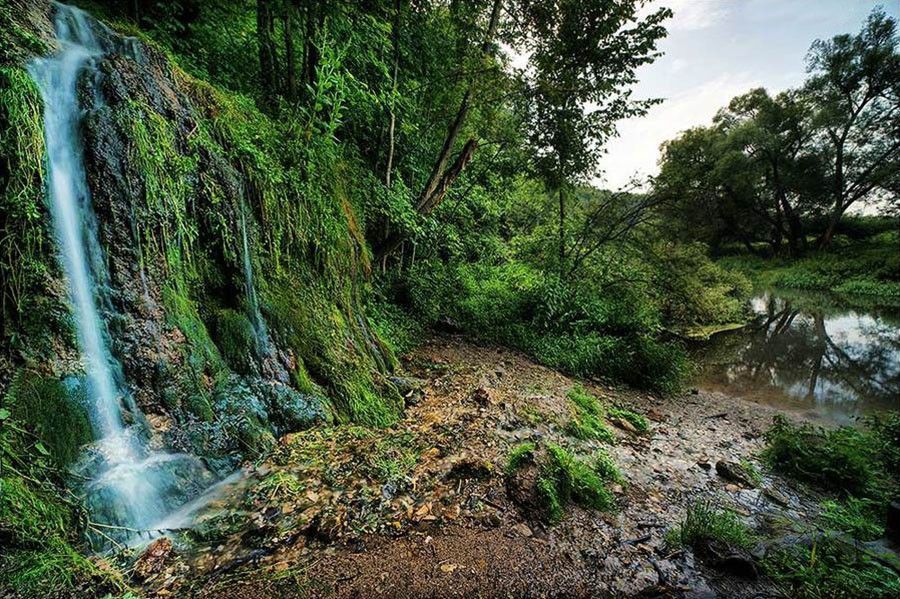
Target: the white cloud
pixel 690 15
pixel 636 150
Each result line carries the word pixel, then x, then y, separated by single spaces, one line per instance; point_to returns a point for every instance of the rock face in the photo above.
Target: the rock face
pixel 892 528
pixel 192 192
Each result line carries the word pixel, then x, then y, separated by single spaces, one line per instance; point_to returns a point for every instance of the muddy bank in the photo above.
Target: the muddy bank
pixel 423 509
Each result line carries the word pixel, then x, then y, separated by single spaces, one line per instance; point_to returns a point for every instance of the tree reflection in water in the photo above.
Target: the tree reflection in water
pixel 809 354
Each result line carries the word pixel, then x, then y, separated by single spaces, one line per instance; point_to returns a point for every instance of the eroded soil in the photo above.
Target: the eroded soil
pixel 422 510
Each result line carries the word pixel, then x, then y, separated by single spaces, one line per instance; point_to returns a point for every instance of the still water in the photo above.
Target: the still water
pixel 809 353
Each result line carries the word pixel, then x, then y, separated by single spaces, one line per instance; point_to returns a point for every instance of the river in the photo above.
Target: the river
pixel 809 353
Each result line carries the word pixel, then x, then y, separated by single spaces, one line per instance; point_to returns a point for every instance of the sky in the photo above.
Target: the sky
pixel 715 50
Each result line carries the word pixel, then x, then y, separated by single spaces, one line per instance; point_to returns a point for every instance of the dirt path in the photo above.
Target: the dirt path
pixel 422 509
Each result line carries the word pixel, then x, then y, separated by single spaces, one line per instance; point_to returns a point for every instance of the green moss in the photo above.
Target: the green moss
pixel 638 421
pixel 572 480
pixel 519 455
pixel 17 41
pixel 235 339
pixel 56 414
pixel 30 313
pixel 586 422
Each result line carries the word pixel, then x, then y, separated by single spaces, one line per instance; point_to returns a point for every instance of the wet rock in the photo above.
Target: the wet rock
pixel 705 465
pixel 624 425
pixel 522 530
pixel 410 389
pixel 776 496
pixel 734 472
pixel 728 559
pixel 153 560
pixel 892 527
pixel 522 489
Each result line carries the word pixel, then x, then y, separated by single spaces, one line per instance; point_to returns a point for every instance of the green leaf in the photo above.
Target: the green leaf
pixel 41 449
pixel 4 413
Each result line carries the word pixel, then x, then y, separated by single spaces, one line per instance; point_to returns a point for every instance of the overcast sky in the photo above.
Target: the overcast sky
pixel 715 50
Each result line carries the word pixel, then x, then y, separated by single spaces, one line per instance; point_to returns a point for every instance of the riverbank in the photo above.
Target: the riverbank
pixel 864 270
pixel 426 509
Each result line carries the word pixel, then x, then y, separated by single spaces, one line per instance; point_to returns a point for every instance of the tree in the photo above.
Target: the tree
pixel 774 133
pixel 854 85
pixel 583 55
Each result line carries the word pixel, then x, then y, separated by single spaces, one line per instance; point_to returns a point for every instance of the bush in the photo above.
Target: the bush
pixel 574 328
pixel 844 460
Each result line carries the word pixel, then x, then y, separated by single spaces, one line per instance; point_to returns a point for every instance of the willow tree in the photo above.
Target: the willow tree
pixel 854 85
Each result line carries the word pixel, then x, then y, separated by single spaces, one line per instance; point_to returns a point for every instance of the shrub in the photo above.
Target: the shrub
pixel 844 459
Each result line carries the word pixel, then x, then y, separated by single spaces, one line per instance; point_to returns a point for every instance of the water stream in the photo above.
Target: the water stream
pixel 809 353
pixel 261 333
pixel 129 486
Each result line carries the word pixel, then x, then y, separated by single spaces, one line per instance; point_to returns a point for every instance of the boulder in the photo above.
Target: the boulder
pixel 734 472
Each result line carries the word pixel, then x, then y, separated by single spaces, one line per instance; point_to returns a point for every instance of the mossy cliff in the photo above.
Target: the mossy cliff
pixel 184 177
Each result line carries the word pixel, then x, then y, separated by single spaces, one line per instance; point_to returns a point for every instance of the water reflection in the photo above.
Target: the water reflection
pixel 808 353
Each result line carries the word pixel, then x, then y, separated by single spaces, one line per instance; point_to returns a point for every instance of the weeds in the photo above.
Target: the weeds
pixel 704 522
pixel 830 568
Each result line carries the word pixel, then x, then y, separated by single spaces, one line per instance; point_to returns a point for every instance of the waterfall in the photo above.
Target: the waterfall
pixel 263 345
pixel 130 486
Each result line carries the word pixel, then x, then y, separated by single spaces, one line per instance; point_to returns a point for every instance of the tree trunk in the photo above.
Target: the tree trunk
pixel 266 51
pixel 395 34
pixel 393 241
pixel 290 59
pixel 562 230
pixel 437 172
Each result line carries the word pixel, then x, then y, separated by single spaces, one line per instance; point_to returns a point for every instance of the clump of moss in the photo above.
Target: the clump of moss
pixel 586 422
pixel 565 478
pixel 562 478
pixel 518 455
pixel 55 412
pixel 235 338
pixel 39 528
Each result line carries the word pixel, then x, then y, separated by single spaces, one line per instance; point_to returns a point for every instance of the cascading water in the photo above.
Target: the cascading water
pixel 263 344
pixel 130 486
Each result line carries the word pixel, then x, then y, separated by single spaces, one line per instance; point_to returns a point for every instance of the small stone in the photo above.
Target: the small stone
pixel 776 496
pixel 522 530
pixel 705 465
pixel 734 472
